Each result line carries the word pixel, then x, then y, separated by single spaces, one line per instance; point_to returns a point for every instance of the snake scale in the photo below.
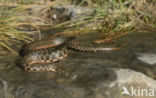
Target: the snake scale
pixel 41 55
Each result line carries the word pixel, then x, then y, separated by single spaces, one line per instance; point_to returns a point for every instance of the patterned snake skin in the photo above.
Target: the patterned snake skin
pixel 75 46
pixel 36 60
pixel 41 55
pixel 43 44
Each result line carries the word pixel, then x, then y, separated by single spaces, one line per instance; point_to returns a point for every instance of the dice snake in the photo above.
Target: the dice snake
pixel 42 55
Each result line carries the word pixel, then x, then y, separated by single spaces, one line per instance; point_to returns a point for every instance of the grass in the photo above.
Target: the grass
pixel 8 27
pixel 111 16
pixel 118 15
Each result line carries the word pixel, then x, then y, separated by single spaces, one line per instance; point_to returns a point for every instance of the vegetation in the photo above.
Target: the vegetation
pixel 111 16
pixel 121 15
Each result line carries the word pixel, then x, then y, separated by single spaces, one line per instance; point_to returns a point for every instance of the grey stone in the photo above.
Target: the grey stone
pixel 149 58
pixel 85 75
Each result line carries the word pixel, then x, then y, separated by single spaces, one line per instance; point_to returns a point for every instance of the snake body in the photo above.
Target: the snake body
pixel 41 55
pixel 36 60
pixel 75 46
pixel 44 44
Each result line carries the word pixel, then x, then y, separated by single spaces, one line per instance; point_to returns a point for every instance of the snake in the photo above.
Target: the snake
pixel 43 44
pixel 42 60
pixel 42 55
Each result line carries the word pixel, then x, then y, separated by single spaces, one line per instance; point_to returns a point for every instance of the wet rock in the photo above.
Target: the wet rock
pixel 86 75
pixel 131 76
pixel 94 83
pixel 148 58
pixel 129 81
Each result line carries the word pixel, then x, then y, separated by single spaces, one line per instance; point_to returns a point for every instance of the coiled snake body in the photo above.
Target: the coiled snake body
pixel 41 55
pixel 42 60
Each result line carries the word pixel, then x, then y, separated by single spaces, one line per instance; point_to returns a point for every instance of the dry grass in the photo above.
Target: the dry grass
pixel 114 16
pixel 13 20
pixel 110 16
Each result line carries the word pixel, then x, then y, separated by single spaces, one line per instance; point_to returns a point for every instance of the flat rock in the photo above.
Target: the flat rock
pixel 149 58
pixel 86 75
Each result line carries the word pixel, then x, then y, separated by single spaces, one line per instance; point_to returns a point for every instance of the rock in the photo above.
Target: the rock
pixel 127 80
pixel 56 14
pixel 86 75
pixel 74 11
pixel 131 76
pixel 148 58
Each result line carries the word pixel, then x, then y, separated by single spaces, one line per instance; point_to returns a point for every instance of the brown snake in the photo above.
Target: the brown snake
pixel 41 55
pixel 36 60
